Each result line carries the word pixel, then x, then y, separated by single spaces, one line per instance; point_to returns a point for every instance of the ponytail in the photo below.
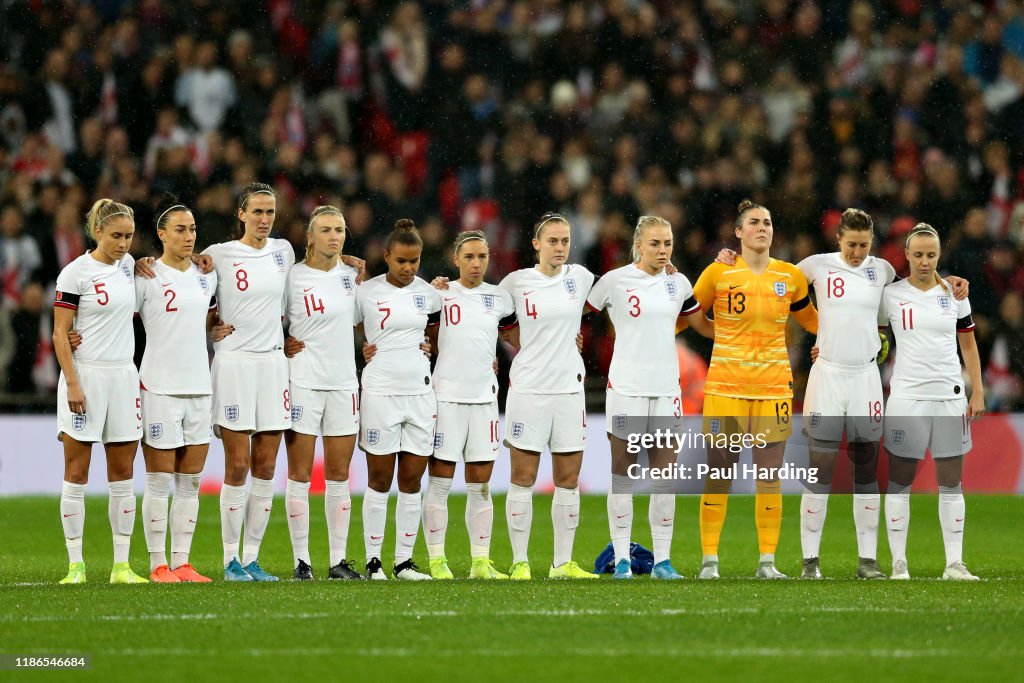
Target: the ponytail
pixel 102 211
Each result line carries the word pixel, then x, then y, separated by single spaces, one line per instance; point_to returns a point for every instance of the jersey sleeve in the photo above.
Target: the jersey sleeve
pixel 68 289
pixel 508 283
pixel 140 292
pixel 890 272
pixel 704 290
pixel 508 318
pixel 690 303
pixel 212 280
pixel 808 267
pixel 600 294
pixel 802 309
pixel 435 300
pixel 964 321
pixel 587 277
pixel 357 310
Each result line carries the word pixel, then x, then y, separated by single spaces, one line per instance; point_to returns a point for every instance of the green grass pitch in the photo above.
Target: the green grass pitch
pixel 736 628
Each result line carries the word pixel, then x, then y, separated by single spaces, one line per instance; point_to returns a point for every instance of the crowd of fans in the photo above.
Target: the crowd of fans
pixel 465 115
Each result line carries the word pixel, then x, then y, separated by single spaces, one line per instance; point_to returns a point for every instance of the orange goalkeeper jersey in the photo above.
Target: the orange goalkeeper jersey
pixel 750 358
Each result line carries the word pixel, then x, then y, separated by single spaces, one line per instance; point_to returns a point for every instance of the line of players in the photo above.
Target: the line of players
pixel 407 419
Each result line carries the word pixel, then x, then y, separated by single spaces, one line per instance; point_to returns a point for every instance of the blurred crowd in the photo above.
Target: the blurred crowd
pixel 485 114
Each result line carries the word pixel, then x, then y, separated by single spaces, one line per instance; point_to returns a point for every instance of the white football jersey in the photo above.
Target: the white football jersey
pixel 250 293
pixel 849 305
pixel 549 311
pixel 321 313
pixel 644 309
pixel 173 306
pixel 103 298
pixel 925 325
pixel 469 322
pixel 394 320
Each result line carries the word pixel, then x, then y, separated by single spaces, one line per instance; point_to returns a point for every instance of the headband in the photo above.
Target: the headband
pixel 116 213
pixel 169 209
pixel 468 238
pixel 922 231
pixel 550 217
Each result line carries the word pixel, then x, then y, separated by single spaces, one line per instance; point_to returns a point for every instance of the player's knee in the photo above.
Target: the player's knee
pixel 409 483
pixel 568 481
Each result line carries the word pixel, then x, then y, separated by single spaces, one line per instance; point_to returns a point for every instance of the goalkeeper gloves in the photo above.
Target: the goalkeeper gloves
pixel 883 352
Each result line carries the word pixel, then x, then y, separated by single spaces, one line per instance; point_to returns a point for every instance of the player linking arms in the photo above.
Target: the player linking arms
pixel 749 387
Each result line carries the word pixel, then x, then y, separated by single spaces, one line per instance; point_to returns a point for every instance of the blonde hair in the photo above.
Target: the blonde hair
pixel 102 211
pixel 925 229
pixel 469 236
pixel 317 212
pixel 642 224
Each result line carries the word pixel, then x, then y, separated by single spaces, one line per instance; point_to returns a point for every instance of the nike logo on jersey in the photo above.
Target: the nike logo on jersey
pixel 381 303
pixel 307 289
pixel 904 303
pixel 99 277
pixel 449 298
pixel 732 287
pixel 166 284
pixel 631 290
pixel 833 272
pixel 530 292
pixel 237 264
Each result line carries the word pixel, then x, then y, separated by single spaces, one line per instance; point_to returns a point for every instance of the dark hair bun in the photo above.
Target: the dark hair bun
pixel 744 205
pixel 405 224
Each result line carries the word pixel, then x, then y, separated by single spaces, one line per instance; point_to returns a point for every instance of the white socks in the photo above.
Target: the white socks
pixel 951 519
pixel 257 515
pixel 519 514
pixel 338 508
pixel 565 517
pixel 897 519
pixel 121 511
pixel 407 525
pixel 661 513
pixel 620 514
pixel 232 512
pixel 479 519
pixel 435 515
pixel 375 518
pixel 813 508
pixel 72 514
pixel 154 516
pixel 296 505
pixel 866 504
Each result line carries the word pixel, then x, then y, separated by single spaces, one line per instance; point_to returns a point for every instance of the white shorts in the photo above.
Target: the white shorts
pixel 641 414
pixel 468 432
pixel 555 421
pixel 841 398
pixel 113 408
pixel 912 426
pixel 398 424
pixel 250 392
pixel 176 421
pixel 319 412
